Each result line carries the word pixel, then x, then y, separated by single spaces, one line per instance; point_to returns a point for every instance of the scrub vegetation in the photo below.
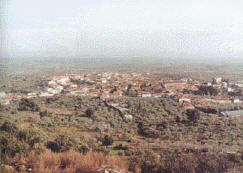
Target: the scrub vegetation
pixel 83 134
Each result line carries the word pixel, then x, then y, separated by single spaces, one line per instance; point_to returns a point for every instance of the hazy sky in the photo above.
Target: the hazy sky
pixel 123 28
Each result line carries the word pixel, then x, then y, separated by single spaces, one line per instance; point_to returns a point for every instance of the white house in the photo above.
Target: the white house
pixel 239 85
pixel 59 88
pixel 74 86
pixel 52 91
pixel 217 79
pixel 236 100
pixel 31 95
pixel 103 80
pixel 52 83
pixel 182 100
pixel 63 81
pixel 3 94
pixel 229 89
pixel 45 94
pixel 147 95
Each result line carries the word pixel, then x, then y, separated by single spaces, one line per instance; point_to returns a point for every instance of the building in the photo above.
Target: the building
pixel 31 95
pixel 230 90
pixel 3 94
pixel 52 91
pixel 217 80
pixel 146 95
pixel 63 81
pixel 183 100
pixel 239 85
pixel 45 94
pixel 236 100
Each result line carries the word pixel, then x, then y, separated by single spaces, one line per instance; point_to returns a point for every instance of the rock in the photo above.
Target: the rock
pixel 110 170
pixel 128 117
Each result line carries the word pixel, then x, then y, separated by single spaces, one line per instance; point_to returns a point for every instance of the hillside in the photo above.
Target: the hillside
pixel 149 134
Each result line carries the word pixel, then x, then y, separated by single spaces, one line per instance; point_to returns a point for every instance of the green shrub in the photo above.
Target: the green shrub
pixel 61 144
pixel 44 114
pixel 193 115
pixel 11 146
pixel 172 162
pixel 31 137
pixel 51 99
pixel 107 140
pixel 9 127
pixel 147 130
pixel 1 107
pixel 234 157
pixel 14 141
pixel 207 90
pixel 89 112
pixel 120 147
pixel 28 105
pixel 82 148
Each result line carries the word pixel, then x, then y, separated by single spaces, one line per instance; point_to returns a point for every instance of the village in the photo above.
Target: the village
pixel 107 85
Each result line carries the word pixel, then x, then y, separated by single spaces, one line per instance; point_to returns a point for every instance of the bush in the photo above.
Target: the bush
pixel 9 127
pixel 120 147
pixel 107 140
pixel 14 141
pixel 234 157
pixel 51 99
pixel 28 105
pixel 29 136
pixel 149 162
pixel 10 146
pixel 44 114
pixel 83 149
pixel 147 130
pixel 207 90
pixel 193 115
pixel 1 107
pixel 61 144
pixel 89 112
pixel 208 110
pixel 172 162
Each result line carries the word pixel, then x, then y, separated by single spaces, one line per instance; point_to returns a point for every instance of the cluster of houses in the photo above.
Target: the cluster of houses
pixel 107 85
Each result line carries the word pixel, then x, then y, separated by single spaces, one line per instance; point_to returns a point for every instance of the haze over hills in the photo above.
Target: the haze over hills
pixel 200 30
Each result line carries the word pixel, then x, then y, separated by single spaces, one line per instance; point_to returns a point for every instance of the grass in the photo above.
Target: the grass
pixel 72 162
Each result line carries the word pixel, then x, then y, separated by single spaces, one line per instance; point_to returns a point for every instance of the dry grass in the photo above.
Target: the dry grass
pixel 73 162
